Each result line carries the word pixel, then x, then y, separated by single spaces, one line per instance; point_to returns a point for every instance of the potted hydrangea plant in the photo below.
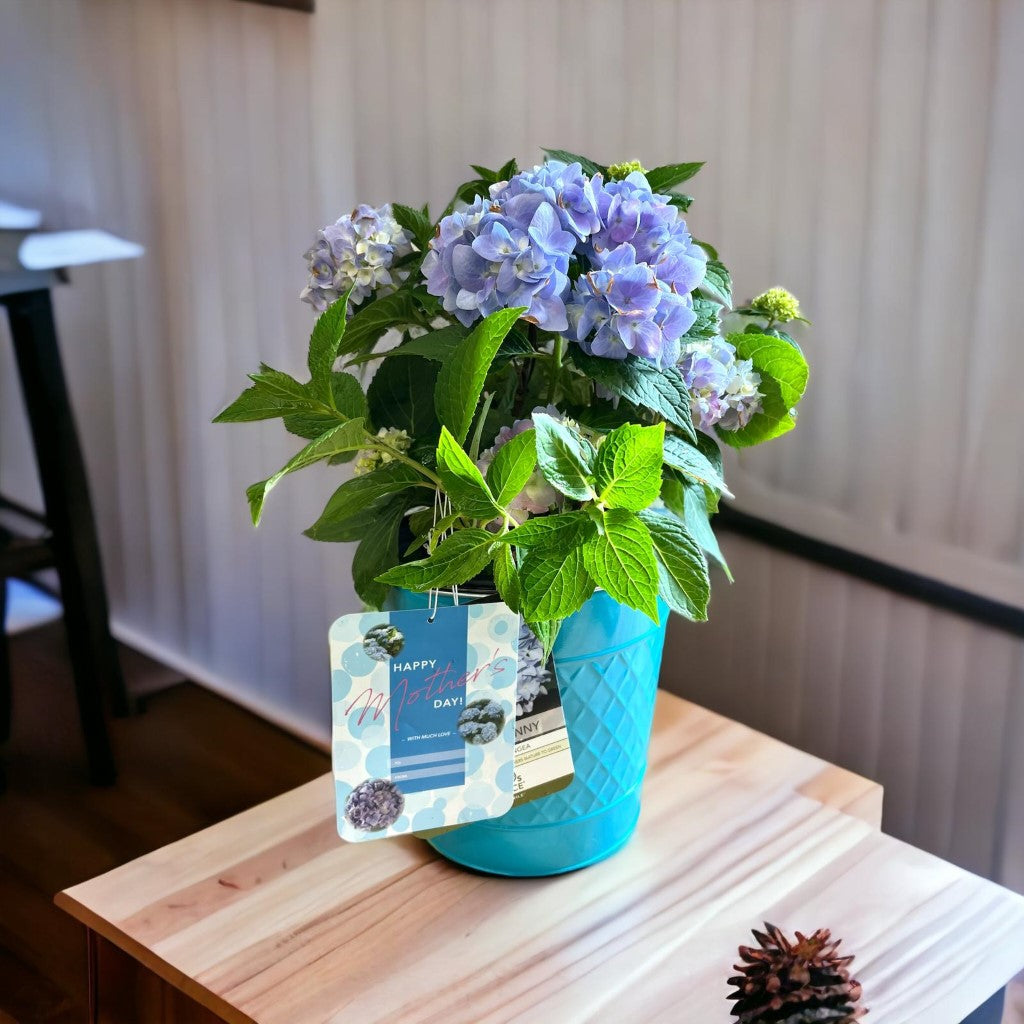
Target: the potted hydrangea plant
pixel 549 387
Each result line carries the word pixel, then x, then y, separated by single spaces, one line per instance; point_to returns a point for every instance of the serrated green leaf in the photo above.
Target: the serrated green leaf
pixel 512 467
pixel 688 500
pixel 555 584
pixel 508 170
pixel 680 200
pixel 354 496
pixel 588 165
pixel 546 633
pixel 457 559
pixel 437 346
pixel 463 482
pixel 565 458
pixel 324 340
pixel 283 385
pixel 506 578
pixel 717 283
pixel 683 573
pixel 561 532
pixel 376 553
pixel 374 318
pixel 349 403
pixel 639 382
pixel 344 437
pixel 784 375
pixel 661 179
pixel 627 469
pixel 621 559
pixel 416 222
pixel 401 395
pixel 692 462
pixel 254 404
pixel 462 376
pixel 708 320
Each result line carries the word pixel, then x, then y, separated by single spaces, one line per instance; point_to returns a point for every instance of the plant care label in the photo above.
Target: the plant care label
pixel 424 712
pixel 543 758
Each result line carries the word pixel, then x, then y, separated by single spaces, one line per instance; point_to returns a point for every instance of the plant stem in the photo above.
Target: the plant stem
pixel 376 442
pixel 474 448
pixel 556 368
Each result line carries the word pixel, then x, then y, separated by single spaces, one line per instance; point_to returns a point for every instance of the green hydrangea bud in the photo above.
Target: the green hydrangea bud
pixel 778 304
pixel 616 172
pixel 370 458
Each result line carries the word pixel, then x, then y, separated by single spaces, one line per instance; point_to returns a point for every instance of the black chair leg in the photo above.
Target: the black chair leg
pixel 69 515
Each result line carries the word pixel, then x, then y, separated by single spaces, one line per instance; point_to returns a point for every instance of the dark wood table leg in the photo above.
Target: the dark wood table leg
pixel 93 976
pixel 69 516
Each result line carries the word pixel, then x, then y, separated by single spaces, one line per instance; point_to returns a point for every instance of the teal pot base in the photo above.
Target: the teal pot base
pixel 607 660
pixel 554 848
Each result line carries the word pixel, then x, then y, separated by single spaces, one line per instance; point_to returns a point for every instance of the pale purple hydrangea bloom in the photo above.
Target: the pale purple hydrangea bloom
pixel 357 251
pixel 621 309
pixel 566 187
pixel 481 721
pixel 538 496
pixel 502 253
pixel 723 389
pixel 532 675
pixel 374 805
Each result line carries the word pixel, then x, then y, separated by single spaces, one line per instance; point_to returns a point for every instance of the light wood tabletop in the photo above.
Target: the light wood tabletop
pixel 269 917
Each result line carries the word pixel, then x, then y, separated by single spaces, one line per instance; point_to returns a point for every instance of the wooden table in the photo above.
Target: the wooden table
pixel 268 917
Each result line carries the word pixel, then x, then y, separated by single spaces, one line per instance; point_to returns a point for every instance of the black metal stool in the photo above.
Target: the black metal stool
pixel 69 542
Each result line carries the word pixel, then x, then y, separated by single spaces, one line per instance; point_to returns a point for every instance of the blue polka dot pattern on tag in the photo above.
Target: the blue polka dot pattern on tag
pixel 506 777
pixel 429 817
pixel 341 684
pixel 378 761
pixel 357 661
pixel 345 756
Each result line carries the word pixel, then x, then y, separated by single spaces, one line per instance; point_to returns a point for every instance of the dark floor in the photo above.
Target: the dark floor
pixel 187 760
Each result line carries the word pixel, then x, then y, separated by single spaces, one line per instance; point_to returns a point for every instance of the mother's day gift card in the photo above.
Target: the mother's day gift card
pixel 424 711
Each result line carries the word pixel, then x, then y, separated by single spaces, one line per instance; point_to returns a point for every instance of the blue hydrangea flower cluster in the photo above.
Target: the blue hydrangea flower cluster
pixel 500 253
pixel 481 721
pixel 723 389
pixel 383 642
pixel 357 251
pixel 512 248
pixel 374 805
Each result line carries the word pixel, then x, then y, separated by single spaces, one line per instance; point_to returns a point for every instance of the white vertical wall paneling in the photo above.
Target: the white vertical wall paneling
pixel 864 154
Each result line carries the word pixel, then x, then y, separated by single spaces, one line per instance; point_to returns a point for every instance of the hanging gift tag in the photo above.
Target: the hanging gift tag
pixel 543 758
pixel 424 718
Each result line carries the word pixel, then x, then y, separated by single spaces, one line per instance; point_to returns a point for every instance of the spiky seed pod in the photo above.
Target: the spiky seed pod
pixel 801 982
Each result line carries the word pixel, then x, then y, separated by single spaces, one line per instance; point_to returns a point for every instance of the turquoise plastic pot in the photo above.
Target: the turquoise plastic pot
pixel 607 660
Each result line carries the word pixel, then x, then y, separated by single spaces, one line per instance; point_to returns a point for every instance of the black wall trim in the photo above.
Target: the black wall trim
pixel 981 609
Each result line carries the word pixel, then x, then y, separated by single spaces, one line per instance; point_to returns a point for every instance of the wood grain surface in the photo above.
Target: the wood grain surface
pixel 268 917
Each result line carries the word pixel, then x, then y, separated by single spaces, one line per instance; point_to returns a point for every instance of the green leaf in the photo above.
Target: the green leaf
pixel 458 558
pixel 565 458
pixel 401 395
pixel 254 404
pixel 437 346
pixel 588 165
pixel 661 179
pixel 506 578
pixel 283 385
pixel 639 382
pixel 683 572
pixel 353 497
pixel 628 466
pixel 563 532
pixel 692 462
pixel 416 222
pixel 463 482
pixel 374 318
pixel 462 376
pixel 690 504
pixel 717 283
pixel 327 333
pixel 784 373
pixel 681 200
pixel 345 437
pixel 621 559
pixel 512 467
pixel 708 319
pixel 378 552
pixel 555 584
pixel 349 403
pixel 546 633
